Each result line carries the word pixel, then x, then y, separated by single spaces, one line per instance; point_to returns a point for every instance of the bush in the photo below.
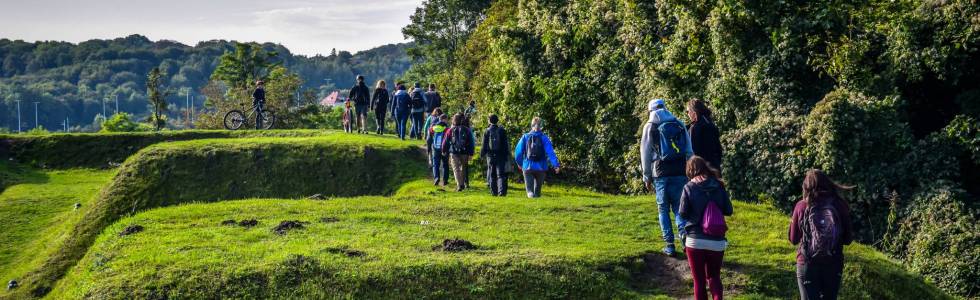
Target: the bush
pixel 763 161
pixel 938 238
pixel 123 122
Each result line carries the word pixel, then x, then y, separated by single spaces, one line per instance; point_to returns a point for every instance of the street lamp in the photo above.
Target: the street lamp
pixel 35 113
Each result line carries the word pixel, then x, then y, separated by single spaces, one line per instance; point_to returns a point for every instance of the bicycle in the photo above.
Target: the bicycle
pixel 235 118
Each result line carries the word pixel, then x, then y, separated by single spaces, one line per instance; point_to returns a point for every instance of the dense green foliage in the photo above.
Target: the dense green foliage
pixel 860 89
pixel 73 79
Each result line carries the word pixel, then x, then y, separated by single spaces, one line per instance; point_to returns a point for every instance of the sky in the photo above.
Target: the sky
pixel 305 27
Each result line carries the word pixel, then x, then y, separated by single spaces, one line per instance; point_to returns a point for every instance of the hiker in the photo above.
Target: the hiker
pixel 431 120
pixel 401 108
pixel 418 111
pixel 434 143
pixel 459 144
pixel 432 97
pixel 362 98
pixel 704 204
pixel 534 154
pixel 470 110
pixel 258 101
pixel 379 103
pixel 820 226
pixel 496 153
pixel 664 150
pixel 705 138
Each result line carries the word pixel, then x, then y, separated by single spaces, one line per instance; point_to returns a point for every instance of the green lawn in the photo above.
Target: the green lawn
pixel 37 211
pixel 571 243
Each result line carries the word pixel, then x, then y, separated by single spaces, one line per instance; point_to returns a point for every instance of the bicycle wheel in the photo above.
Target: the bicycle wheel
pixel 234 119
pixel 268 119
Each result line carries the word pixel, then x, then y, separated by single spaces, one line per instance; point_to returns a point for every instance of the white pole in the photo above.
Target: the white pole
pixel 18 116
pixel 117 103
pixel 103 107
pixel 35 114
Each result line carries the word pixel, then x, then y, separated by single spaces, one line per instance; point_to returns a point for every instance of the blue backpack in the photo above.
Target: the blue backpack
pixel 673 141
pixel 438 134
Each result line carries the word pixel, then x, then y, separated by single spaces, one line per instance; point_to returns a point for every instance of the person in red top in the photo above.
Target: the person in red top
pixel 821 226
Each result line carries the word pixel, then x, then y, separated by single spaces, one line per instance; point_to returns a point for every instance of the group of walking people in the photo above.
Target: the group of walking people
pixel 404 104
pixel 682 164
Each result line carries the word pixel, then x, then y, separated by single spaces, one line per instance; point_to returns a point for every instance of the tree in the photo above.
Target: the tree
pixel 157 96
pixel 243 67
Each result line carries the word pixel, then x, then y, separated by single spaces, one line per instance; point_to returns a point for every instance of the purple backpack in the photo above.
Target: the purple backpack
pixel 713 222
pixel 821 231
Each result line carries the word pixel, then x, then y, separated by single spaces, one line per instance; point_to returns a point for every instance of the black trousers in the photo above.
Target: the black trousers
pixel 497 177
pixel 379 119
pixel 819 281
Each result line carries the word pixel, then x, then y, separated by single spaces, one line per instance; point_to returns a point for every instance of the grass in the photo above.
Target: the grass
pixel 573 243
pixel 37 212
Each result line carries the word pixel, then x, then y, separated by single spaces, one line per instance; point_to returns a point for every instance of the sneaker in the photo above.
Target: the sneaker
pixel 669 250
pixel 436 182
pixel 530 195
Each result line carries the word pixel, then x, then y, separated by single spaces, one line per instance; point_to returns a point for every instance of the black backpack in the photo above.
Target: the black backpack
pixel 417 100
pixel 460 141
pixel 821 231
pixel 535 148
pixel 495 140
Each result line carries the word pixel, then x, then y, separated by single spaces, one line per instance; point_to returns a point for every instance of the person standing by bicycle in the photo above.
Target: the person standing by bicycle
pixel 258 101
pixel 362 99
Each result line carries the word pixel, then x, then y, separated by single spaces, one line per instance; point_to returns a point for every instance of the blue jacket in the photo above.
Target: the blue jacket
pixel 529 165
pixel 400 102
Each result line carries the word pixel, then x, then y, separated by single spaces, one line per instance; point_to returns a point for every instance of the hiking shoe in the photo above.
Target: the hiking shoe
pixel 669 250
pixel 530 195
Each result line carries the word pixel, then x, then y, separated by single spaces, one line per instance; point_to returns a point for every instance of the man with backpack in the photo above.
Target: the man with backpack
pixel 435 141
pixel 418 111
pixel 361 96
pixel 459 144
pixel 401 109
pixel 496 152
pixel 432 98
pixel 664 150
pixel 535 154
pixel 820 227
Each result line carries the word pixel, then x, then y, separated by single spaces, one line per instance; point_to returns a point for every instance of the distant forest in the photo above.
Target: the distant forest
pixel 72 80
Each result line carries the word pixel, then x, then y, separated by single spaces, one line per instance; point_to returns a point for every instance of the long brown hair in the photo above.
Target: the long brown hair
pixel 697 166
pixel 458 120
pixel 700 109
pixel 817 184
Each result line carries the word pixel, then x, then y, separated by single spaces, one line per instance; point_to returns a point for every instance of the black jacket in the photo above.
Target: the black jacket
pixel 501 154
pixel 360 94
pixel 258 95
pixel 434 100
pixel 380 99
pixel 694 201
pixel 706 141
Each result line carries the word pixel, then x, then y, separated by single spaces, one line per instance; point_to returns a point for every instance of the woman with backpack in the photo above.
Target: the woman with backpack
pixel 418 111
pixel 459 144
pixel 704 205
pixel 705 138
pixel 401 109
pixel 820 226
pixel 431 120
pixel 535 154
pixel 379 103
pixel 435 139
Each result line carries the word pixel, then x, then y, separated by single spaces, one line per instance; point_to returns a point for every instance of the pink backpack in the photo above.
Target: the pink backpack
pixel 713 222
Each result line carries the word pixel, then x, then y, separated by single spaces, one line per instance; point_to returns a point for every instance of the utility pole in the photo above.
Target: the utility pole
pixel 35 114
pixel 103 107
pixel 117 103
pixel 18 116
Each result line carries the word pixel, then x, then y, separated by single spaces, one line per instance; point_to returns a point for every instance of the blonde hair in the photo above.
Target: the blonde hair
pixel 381 84
pixel 536 123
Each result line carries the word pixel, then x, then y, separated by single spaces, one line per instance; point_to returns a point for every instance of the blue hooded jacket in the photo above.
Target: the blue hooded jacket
pixel 400 102
pixel 530 165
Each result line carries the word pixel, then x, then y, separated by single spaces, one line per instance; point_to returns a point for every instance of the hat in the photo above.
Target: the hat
pixel 418 85
pixel 655 104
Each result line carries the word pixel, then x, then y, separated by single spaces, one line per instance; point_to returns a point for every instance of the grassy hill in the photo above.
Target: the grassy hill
pixel 379 242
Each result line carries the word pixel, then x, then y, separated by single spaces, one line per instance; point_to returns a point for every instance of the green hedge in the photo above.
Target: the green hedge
pixel 103 150
pixel 221 169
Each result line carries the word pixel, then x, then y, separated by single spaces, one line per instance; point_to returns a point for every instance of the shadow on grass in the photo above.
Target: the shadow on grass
pixel 12 173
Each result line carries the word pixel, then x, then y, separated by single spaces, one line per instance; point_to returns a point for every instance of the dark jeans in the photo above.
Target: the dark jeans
pixel 533 180
pixel 497 177
pixel 705 266
pixel 418 120
pixel 379 119
pixel 400 119
pixel 819 281
pixel 259 106
pixel 440 166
